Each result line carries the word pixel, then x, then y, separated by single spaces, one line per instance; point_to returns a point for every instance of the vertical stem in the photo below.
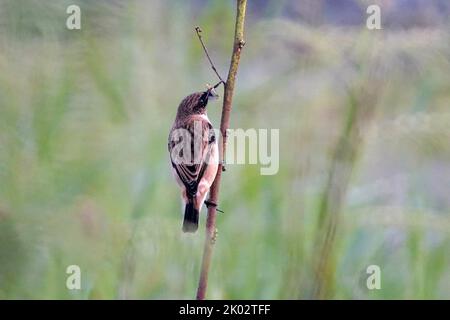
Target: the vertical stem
pixel 224 125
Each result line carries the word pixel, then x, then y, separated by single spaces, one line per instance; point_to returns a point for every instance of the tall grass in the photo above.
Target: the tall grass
pixel 84 175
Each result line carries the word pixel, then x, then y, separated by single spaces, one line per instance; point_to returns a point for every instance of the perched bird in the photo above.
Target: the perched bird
pixel 194 154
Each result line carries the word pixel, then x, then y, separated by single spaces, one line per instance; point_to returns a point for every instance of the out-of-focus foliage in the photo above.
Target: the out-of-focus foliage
pixel 84 172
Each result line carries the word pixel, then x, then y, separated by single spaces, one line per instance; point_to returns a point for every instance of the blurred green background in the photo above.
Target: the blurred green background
pixel 364 175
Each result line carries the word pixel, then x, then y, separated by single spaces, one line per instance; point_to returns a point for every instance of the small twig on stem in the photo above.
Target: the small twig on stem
pixel 224 124
pixel 198 30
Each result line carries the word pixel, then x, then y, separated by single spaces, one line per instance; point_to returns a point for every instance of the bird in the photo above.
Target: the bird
pixel 194 154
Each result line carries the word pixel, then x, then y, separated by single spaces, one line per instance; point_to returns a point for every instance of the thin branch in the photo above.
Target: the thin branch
pixel 224 125
pixel 198 30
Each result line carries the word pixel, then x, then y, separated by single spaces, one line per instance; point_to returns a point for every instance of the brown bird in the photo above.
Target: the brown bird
pixel 194 154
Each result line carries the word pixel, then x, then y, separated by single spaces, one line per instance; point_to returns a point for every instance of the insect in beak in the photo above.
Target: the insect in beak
pixel 212 94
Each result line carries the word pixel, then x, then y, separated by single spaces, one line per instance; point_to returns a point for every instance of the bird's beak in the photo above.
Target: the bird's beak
pixel 213 95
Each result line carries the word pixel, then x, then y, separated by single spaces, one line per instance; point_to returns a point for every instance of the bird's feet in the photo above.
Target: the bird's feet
pixel 223 163
pixel 209 203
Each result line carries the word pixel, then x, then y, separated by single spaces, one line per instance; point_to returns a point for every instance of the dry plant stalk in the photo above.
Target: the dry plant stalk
pixel 224 125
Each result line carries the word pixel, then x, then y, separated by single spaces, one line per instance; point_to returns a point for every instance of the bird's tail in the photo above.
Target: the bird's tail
pixel 190 223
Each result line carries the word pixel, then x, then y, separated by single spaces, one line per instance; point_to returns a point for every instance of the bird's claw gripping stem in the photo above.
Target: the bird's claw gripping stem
pixel 209 203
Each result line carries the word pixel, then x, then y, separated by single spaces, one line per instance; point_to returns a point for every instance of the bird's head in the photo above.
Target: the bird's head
pixel 196 103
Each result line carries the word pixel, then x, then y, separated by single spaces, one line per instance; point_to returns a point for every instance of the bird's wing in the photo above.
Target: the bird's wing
pixel 190 150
